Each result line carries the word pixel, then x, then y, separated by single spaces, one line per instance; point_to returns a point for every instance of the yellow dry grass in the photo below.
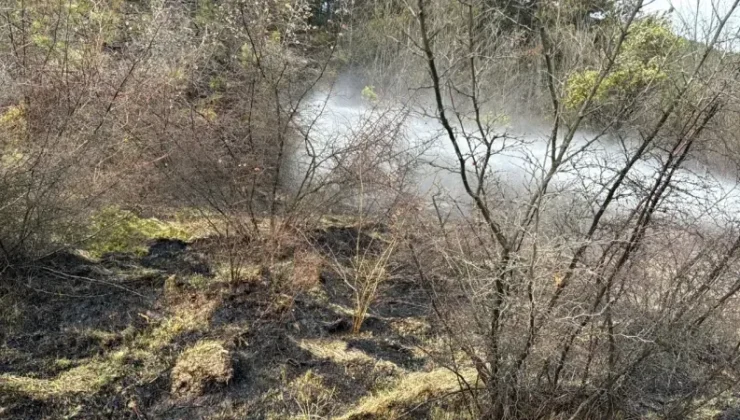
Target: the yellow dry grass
pixel 334 350
pixel 205 362
pixel 409 391
pixel 97 372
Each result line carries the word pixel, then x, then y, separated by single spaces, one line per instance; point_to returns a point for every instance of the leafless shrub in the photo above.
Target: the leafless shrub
pixel 561 316
pixel 61 154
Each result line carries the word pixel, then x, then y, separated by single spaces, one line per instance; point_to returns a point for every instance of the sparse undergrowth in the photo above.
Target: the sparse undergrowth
pixel 143 357
pixel 170 333
pixel 408 392
pixel 265 345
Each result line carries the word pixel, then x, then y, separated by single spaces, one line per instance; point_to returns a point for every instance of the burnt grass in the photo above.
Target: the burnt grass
pixel 65 311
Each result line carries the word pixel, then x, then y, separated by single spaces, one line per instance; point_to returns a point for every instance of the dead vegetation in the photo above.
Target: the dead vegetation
pixel 161 333
pixel 189 229
pixel 206 363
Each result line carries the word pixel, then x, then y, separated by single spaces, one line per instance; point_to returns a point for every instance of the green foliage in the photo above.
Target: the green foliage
pixel 217 83
pixel 639 64
pixel 198 282
pixel 42 41
pixel 206 12
pixel 491 119
pixel 116 230
pixel 12 132
pixel 246 55
pixel 275 37
pixel 650 40
pixel 60 31
pixel 208 113
pixel 368 92
pixel 13 118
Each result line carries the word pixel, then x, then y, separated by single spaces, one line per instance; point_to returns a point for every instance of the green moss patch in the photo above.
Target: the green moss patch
pixel 116 230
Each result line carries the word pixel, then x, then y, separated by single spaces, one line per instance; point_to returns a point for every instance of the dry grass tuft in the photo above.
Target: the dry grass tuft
pixel 185 318
pixel 411 390
pixel 206 363
pixel 334 350
pixel 87 378
pixel 311 396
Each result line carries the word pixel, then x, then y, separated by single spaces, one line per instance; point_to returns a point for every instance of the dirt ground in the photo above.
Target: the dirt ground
pixel 168 334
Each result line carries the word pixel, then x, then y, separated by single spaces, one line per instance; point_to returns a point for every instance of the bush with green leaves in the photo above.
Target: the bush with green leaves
pixel 640 63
